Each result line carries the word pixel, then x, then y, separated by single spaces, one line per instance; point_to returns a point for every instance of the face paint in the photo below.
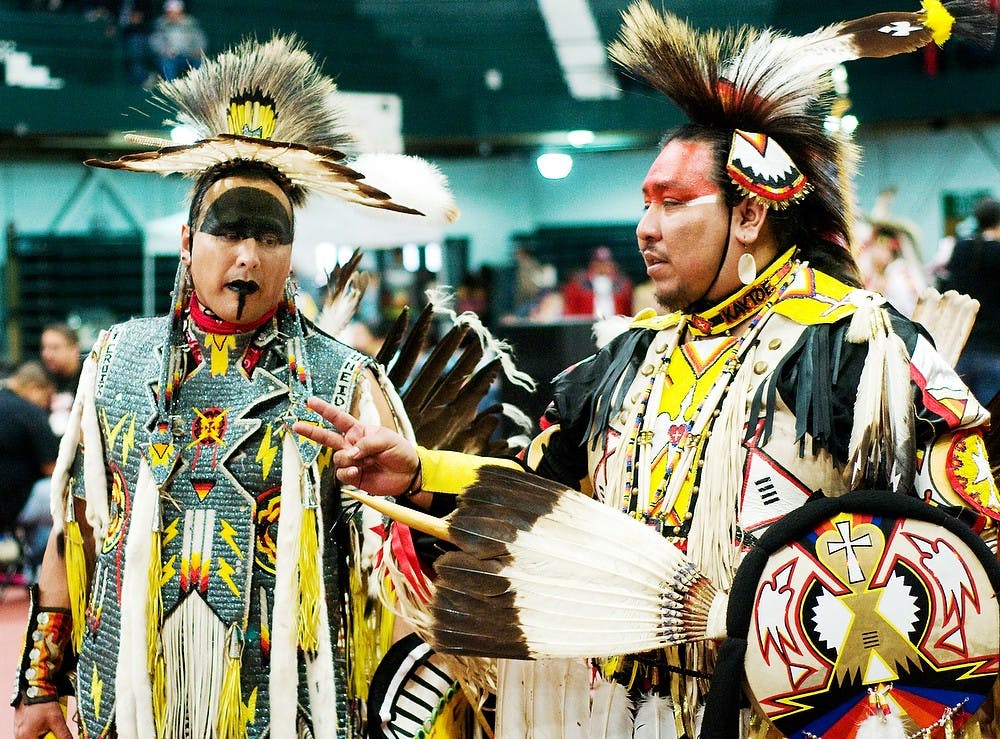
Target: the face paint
pixel 247 212
pixel 243 288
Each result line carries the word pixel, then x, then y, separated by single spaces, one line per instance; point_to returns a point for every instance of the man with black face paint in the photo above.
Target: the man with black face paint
pixel 198 574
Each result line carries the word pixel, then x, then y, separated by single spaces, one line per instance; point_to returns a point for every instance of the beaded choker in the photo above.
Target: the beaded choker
pixel 737 308
pixel 216 325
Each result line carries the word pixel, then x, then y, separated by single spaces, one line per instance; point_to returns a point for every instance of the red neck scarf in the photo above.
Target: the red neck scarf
pixel 215 325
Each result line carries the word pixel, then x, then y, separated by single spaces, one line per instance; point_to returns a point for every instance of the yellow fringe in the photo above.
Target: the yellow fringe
pixel 309 583
pixel 938 19
pixel 154 653
pixel 371 632
pixel 154 602
pixel 76 580
pixel 231 724
pixel 159 680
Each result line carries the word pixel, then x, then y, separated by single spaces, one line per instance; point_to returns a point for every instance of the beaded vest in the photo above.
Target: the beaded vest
pixel 219 520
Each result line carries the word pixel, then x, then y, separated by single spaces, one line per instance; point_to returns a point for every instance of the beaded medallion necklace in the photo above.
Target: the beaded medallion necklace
pixel 665 445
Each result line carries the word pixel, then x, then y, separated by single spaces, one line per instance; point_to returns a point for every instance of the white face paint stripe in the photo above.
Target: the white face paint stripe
pixel 703 200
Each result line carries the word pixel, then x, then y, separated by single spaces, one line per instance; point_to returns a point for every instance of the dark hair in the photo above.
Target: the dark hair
pixel 249 168
pixel 987 213
pixel 64 330
pixel 813 225
pixel 30 374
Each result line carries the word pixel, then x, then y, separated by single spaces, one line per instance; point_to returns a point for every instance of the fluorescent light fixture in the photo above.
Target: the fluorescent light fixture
pixel 579 49
pixel 433 258
pixel 554 166
pixel 580 138
pixel 844 124
pixel 411 257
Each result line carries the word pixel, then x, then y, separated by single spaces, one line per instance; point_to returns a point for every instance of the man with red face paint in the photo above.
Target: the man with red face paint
pixel 772 379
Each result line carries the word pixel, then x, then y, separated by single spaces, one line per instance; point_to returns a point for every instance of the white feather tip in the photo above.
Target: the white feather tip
pixel 410 181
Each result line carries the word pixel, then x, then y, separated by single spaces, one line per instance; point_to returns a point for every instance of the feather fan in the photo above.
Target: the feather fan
pixel 544 571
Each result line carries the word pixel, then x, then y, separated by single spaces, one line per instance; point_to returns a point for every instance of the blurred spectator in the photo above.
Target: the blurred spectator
pixel 889 257
pixel 532 279
pixel 62 361
pixel 601 290
pixel 972 269
pixel 891 266
pixel 177 41
pixel 135 21
pixel 27 456
pixel 475 294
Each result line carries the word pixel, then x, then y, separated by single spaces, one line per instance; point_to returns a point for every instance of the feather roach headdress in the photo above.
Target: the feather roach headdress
pixel 772 91
pixel 270 102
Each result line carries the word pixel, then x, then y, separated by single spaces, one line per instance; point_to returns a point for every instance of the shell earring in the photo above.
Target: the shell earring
pixel 746 268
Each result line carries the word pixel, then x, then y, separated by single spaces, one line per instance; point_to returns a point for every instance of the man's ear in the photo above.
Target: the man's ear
pixel 748 219
pixel 186 244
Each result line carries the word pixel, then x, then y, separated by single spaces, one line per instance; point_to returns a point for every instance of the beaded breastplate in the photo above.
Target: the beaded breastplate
pixel 218 516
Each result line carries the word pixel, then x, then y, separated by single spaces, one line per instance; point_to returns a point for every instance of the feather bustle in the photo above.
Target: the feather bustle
pixel 611 712
pixel 654 719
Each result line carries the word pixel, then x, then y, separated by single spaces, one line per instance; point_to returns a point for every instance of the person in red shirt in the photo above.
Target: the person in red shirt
pixel 602 290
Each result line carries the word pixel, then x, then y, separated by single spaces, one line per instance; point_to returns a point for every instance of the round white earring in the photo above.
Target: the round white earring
pixel 746 268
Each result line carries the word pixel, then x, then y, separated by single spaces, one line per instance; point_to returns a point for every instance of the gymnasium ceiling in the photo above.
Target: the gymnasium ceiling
pixel 473 75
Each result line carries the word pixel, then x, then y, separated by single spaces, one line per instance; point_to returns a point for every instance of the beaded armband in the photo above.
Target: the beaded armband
pixel 41 677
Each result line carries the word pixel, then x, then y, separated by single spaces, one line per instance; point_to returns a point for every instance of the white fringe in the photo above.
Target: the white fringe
pixel 195 654
pixel 883 408
pixel 319 669
pixel 60 496
pixel 518 417
pixel 284 678
pixel 134 703
pixel 95 482
pixel 713 527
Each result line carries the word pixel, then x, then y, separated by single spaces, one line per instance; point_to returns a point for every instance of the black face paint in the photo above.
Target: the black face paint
pixel 247 212
pixel 242 288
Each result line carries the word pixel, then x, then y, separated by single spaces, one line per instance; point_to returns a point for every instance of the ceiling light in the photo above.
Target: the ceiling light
pixel 579 49
pixel 554 166
pixel 493 79
pixel 580 137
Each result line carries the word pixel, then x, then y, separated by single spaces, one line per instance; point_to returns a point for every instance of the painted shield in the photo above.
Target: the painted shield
pixel 873 604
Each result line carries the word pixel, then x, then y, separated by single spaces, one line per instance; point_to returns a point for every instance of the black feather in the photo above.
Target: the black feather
pixel 413 347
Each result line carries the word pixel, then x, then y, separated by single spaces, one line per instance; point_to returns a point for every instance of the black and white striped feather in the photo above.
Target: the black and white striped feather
pixel 544 571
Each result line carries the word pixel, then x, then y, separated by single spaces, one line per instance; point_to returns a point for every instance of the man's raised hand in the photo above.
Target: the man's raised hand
pixel 373 458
